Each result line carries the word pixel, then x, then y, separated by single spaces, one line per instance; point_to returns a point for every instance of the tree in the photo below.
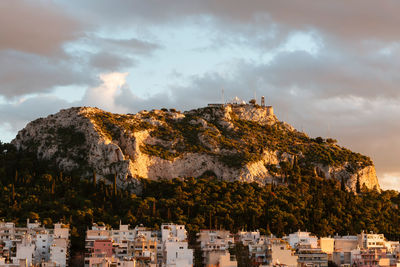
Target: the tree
pixel 342 185
pixel 358 186
pixel 115 185
pixel 94 179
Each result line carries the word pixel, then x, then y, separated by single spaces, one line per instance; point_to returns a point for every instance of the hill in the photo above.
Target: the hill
pixel 231 142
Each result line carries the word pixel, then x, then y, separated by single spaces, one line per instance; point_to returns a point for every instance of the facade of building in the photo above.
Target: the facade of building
pixel 301 238
pixel 309 256
pixel 281 253
pixel 139 246
pixel 34 245
pixel 214 245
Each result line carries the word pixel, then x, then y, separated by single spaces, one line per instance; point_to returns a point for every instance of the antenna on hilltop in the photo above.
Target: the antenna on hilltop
pixel 222 95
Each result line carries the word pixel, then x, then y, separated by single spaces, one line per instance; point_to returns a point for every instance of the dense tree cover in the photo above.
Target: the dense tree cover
pixel 31 189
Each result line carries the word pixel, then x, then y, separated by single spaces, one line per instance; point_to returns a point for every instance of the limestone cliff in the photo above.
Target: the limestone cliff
pixel 232 142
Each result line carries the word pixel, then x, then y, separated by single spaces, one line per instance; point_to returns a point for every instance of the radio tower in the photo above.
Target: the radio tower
pixel 222 95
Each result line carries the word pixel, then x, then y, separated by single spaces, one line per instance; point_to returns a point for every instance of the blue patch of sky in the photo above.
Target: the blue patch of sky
pixel 309 42
pixel 71 94
pixel 6 133
pixel 186 51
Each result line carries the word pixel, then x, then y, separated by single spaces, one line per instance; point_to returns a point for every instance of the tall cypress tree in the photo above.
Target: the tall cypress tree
pixel 94 179
pixel 115 185
pixel 358 186
pixel 342 185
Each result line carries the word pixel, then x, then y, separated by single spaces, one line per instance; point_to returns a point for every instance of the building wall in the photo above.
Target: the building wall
pixel 327 244
pixel 346 243
pixel 282 254
pixel 296 238
pixel 58 252
pixel 25 251
pixel 177 250
pixel 103 246
pixel 43 242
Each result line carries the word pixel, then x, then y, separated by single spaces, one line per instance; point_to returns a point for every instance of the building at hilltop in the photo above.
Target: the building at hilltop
pixel 237 102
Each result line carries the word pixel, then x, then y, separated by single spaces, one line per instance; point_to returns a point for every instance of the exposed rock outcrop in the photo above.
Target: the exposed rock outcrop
pixel 233 142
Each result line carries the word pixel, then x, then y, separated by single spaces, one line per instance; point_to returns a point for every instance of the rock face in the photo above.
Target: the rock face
pixel 232 142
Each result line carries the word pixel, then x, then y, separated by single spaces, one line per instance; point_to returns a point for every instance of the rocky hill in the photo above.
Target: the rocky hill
pixel 231 142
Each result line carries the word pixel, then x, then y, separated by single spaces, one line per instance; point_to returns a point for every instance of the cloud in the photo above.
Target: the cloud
pixel 104 95
pixel 353 20
pixel 390 181
pixel 105 61
pixel 22 73
pixel 15 116
pixel 38 27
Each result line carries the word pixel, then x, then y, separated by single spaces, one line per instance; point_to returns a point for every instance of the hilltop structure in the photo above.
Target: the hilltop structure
pixel 237 102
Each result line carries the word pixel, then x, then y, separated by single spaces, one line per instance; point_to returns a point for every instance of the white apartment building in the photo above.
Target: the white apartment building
pixel 140 246
pixel 248 237
pixel 173 230
pixel 258 249
pixel 371 240
pixel 280 253
pixel 301 238
pixel 221 259
pixel 214 245
pixel 25 250
pixel 176 253
pixel 34 244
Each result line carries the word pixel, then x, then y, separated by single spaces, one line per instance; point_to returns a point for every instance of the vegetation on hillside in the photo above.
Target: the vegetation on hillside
pixel 241 144
pixel 30 189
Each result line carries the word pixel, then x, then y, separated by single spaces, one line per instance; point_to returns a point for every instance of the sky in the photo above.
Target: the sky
pixel 329 68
